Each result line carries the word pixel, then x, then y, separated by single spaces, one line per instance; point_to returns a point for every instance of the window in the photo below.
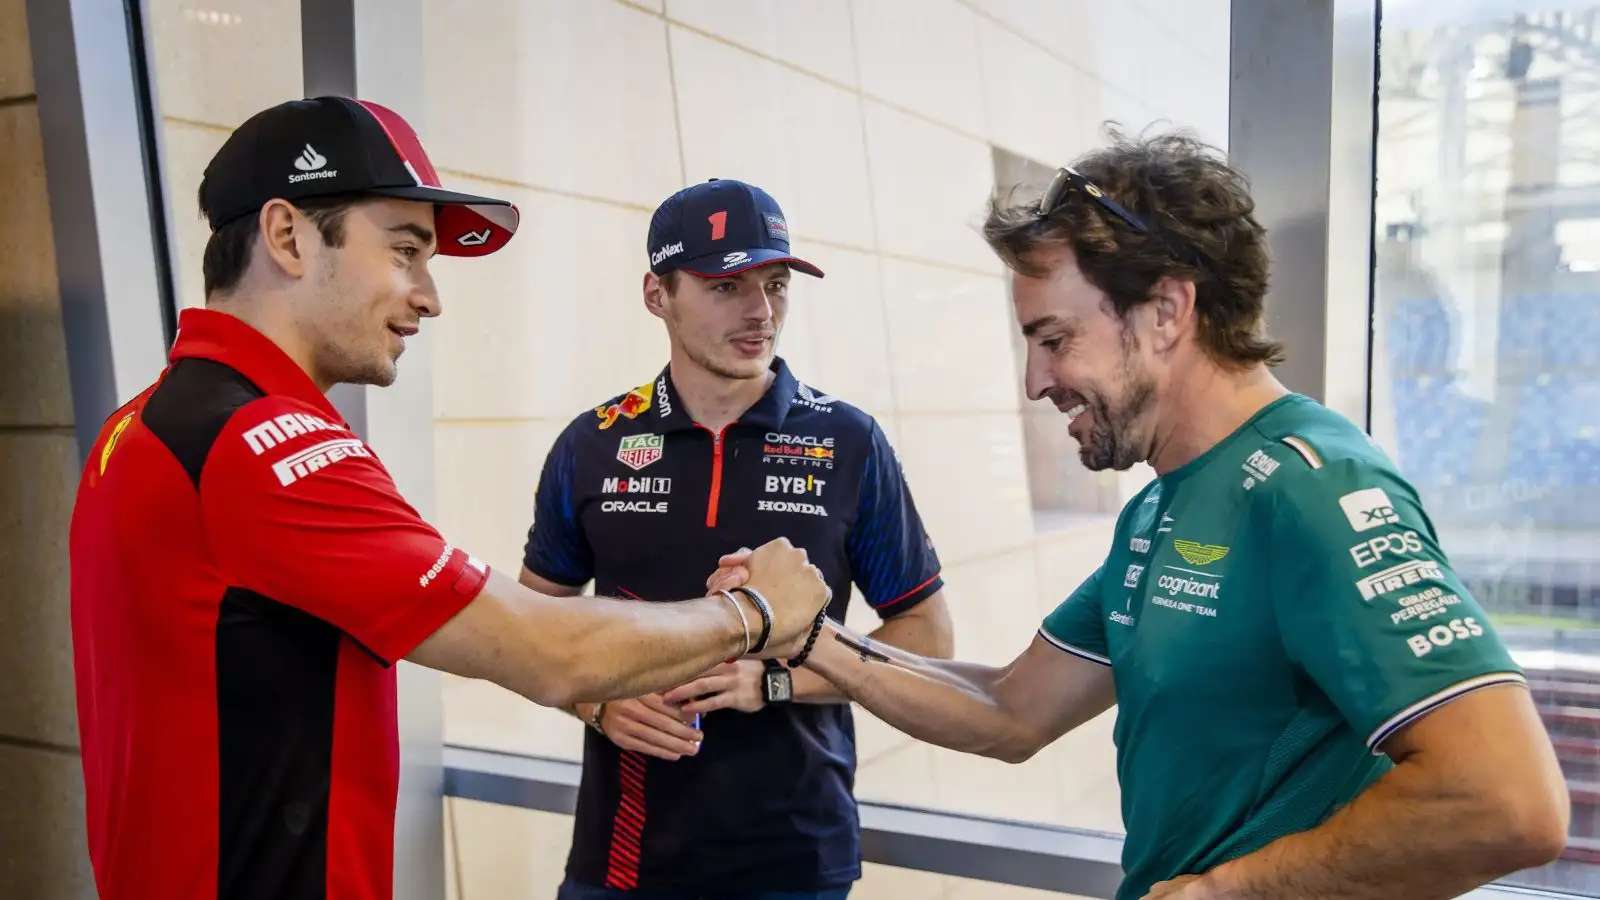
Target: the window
pixel 215 63
pixel 1486 373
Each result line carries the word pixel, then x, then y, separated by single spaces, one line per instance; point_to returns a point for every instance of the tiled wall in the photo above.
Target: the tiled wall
pixel 873 122
pixel 42 850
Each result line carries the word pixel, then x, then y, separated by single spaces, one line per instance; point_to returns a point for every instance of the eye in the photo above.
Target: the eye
pixel 779 287
pixel 724 287
pixel 409 252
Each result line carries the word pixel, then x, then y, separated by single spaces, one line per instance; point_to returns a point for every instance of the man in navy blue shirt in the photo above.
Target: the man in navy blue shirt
pixel 738 784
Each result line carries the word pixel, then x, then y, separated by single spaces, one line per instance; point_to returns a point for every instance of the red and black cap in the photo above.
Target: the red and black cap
pixel 337 145
pixel 719 228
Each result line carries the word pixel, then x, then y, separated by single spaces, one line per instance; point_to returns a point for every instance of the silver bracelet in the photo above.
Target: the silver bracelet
pixel 742 620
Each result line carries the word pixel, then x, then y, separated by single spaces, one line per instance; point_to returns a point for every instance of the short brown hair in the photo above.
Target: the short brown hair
pixel 227 253
pixel 1185 191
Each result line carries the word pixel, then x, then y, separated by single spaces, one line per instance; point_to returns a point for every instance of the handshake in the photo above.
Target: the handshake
pixel 788 592
pixel 794 592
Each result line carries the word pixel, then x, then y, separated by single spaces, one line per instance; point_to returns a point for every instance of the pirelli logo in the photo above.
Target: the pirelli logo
pixel 278 429
pixel 301 463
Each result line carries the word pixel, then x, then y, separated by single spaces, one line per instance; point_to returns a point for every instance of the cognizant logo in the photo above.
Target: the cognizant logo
pixel 1175 585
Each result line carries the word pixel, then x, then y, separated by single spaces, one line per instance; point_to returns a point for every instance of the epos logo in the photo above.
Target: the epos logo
pixel 1368 509
pixel 1373 551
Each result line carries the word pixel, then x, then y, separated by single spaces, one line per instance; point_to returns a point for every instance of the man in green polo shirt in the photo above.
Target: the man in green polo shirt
pixel 1310 703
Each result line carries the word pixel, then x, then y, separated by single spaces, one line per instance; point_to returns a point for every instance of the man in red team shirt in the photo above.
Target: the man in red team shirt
pixel 245 575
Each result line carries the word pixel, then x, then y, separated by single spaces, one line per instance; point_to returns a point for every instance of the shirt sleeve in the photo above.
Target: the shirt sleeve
pixel 556 549
pixel 300 511
pixel 892 559
pixel 1368 605
pixel 1078 625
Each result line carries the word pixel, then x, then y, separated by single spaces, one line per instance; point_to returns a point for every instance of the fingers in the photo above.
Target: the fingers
pixel 627 739
pixel 683 693
pixel 667 717
pixel 727 579
pixel 725 699
pixel 682 698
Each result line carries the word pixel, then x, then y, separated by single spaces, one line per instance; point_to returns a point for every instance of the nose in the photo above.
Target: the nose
pixel 425 296
pixel 1037 378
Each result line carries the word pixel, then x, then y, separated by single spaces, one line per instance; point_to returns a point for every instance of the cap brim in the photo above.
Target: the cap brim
pixel 468 225
pixel 721 265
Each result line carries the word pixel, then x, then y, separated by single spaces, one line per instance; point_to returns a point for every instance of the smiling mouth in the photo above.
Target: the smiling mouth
pixel 1076 411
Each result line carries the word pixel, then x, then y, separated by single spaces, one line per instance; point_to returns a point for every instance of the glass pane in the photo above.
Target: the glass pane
pixel 1486 372
pixel 216 63
pixel 881 128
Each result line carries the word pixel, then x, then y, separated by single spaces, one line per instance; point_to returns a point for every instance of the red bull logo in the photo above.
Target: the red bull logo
pixel 631 405
pixel 818 453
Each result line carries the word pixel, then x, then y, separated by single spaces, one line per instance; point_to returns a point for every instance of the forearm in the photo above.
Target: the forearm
pixel 558 651
pixel 944 702
pixel 1410 835
pixel 915 634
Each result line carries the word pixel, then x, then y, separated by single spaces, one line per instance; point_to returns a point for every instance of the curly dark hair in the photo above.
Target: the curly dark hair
pixel 1206 231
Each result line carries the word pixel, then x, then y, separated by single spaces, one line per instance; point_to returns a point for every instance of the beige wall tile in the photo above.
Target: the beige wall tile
pixel 16 63
pixel 814 36
pixel 41 826
pixel 1064 557
pixel 552 325
pixel 967 477
pixel 507 852
pixel 508 97
pixel 836 336
pixel 481 714
pixel 223 61
pixel 937 224
pixel 974 889
pixel 35 389
pixel 796 137
pixel 36 497
pixel 486 476
pixel 188 150
pixel 906 775
pixel 891 883
pixel 922 55
pixel 1063 28
pixel 655 6
pixel 1034 99
pixel 949 337
pixel 994 602
pixel 1086 759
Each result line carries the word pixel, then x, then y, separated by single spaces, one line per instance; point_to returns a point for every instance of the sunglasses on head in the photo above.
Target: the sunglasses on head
pixel 1068 182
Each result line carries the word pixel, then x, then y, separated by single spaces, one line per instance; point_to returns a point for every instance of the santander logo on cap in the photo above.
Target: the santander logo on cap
pixel 311 163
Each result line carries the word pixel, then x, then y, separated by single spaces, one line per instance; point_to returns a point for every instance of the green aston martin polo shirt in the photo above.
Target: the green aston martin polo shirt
pixel 1271 612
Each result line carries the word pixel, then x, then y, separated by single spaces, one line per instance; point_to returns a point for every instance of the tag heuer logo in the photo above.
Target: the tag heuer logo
pixel 1199 554
pixel 640 450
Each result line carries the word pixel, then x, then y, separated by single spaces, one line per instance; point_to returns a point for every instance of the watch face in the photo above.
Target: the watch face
pixel 778 685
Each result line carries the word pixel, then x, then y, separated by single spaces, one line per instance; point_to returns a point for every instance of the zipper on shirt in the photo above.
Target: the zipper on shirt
pixel 716 476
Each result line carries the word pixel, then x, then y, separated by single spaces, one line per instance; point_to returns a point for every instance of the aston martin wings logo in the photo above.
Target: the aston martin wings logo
pixel 1199 554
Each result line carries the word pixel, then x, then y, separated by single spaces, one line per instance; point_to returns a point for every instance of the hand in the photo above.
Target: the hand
pixel 730 573
pixel 1184 887
pixel 735 685
pixel 795 590
pixel 651 726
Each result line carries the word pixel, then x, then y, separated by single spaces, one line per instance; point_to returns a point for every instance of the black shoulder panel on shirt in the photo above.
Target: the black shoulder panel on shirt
pixel 192 405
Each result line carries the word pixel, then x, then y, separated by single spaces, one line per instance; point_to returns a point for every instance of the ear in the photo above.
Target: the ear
pixel 1172 305
pixel 655 295
pixel 282 228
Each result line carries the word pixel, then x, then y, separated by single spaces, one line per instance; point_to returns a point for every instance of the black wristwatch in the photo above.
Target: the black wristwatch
pixel 777 684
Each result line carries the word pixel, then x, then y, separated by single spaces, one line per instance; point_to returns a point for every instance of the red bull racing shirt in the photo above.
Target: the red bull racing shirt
pixel 244 575
pixel 641 500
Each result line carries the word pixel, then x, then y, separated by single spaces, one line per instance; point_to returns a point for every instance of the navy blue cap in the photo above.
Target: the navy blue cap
pixel 719 228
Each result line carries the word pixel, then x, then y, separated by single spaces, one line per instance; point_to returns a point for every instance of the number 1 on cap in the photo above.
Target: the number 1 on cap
pixel 719 224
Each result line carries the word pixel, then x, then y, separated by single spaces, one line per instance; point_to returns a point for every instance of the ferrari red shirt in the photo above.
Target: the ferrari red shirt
pixel 244 575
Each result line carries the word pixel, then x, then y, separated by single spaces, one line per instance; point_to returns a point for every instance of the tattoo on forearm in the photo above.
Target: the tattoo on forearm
pixel 862 646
